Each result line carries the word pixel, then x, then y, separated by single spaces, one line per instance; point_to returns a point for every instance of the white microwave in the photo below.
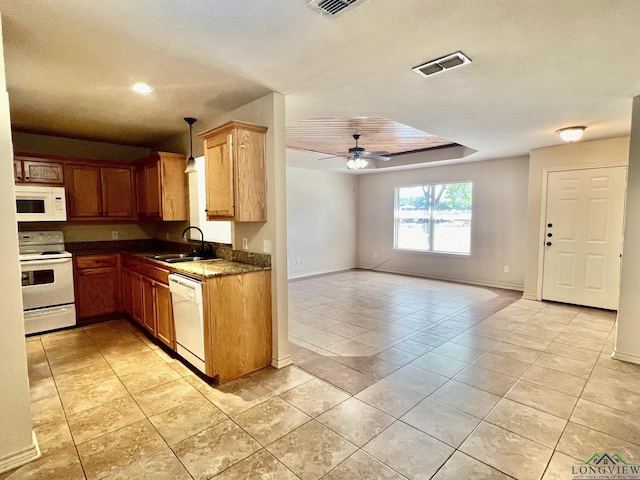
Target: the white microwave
pixel 37 203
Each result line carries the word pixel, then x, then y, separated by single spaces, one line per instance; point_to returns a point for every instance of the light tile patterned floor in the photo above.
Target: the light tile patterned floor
pixel 395 377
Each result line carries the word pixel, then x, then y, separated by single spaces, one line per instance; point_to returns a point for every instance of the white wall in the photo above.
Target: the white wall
pixel 322 218
pixel 610 152
pixel 498 223
pixel 628 327
pixel 16 440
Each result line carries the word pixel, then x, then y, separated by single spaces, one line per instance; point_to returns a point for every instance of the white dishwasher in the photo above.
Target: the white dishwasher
pixel 188 316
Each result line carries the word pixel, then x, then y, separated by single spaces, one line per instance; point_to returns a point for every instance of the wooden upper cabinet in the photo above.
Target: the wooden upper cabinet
pixel 117 192
pixel 162 187
pixel 235 172
pixel 84 191
pixel 27 169
pixel 100 192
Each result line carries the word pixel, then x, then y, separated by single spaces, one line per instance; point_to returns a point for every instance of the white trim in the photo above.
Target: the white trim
pixel 543 213
pixel 506 286
pixel 528 296
pixel 314 273
pixel 281 362
pixel 21 457
pixel 626 357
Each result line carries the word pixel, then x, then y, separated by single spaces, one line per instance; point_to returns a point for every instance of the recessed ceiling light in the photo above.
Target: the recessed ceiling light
pixel 141 88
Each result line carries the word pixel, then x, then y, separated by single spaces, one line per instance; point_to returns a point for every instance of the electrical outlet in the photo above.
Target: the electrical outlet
pixel 506 269
pixel 266 246
pixel 245 244
pixel 114 235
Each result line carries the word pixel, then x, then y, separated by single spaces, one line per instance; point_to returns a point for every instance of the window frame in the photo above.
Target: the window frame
pixel 396 220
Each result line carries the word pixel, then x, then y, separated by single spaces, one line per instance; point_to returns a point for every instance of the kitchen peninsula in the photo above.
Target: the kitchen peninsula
pixel 122 277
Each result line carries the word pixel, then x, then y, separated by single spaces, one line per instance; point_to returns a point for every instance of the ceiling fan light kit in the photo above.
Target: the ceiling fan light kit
pixel 571 134
pixel 356 163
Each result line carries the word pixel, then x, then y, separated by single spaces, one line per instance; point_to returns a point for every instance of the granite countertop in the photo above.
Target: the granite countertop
pixel 205 268
pixel 233 262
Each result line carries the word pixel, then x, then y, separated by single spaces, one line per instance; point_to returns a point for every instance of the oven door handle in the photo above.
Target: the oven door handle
pixel 46 262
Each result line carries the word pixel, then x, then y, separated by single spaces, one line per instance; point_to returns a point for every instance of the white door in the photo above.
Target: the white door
pixel 583 236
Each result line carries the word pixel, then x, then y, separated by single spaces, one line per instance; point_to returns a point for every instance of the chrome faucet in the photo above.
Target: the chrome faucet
pixel 204 252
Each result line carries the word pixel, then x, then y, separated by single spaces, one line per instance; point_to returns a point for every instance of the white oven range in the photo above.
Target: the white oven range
pixel 47 282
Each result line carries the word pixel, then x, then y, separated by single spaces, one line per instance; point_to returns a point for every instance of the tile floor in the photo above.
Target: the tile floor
pixel 394 377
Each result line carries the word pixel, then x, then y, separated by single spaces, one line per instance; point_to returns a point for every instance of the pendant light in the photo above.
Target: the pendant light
pixel 191 163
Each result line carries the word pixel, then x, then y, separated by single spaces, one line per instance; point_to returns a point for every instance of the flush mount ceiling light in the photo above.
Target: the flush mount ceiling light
pixel 191 163
pixel 442 64
pixel 571 134
pixel 141 88
pixel 356 163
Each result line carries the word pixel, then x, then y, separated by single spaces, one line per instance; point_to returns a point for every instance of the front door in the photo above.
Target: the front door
pixel 583 236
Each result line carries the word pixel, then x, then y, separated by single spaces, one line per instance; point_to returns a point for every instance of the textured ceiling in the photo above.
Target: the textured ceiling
pixel 537 66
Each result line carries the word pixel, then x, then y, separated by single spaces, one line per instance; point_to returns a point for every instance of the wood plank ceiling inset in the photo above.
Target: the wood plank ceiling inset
pixel 334 136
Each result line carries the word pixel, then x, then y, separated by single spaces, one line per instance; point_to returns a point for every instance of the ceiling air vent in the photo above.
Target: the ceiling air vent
pixel 333 7
pixel 441 64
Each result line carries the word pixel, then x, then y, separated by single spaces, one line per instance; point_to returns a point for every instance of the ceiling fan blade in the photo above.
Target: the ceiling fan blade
pixel 382 156
pixel 333 156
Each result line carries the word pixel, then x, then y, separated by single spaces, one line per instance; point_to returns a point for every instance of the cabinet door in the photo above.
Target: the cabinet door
pixel 43 172
pixel 117 192
pixel 84 191
pixel 136 298
pixel 141 192
pixel 219 176
pixel 148 304
pixel 152 174
pixel 250 194
pixel 96 292
pixel 164 313
pixel 127 292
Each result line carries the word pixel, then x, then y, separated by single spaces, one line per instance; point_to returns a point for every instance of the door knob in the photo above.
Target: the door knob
pixel 548 244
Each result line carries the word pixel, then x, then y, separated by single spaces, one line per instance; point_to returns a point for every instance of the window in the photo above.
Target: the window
pixel 434 218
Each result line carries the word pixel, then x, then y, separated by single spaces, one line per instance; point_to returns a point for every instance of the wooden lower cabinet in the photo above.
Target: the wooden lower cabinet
pixel 165 330
pixel 237 325
pixel 147 300
pixel 97 285
pixel 148 305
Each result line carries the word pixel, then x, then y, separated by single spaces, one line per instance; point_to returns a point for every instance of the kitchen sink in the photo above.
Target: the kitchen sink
pixel 181 257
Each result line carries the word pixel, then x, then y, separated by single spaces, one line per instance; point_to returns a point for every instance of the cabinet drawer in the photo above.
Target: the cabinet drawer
pixel 145 268
pixel 96 261
pixel 156 273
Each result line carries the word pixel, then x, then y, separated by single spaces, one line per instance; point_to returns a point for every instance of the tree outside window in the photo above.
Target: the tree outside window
pixel 434 218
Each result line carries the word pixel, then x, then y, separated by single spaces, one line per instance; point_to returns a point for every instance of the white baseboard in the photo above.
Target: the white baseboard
pixel 21 457
pixel 506 286
pixel 626 357
pixel 530 296
pixel 315 273
pixel 281 362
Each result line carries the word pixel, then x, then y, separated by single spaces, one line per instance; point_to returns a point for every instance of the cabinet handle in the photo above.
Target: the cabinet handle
pixel 26 178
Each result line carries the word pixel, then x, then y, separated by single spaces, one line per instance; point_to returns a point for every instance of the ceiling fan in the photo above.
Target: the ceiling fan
pixel 357 156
